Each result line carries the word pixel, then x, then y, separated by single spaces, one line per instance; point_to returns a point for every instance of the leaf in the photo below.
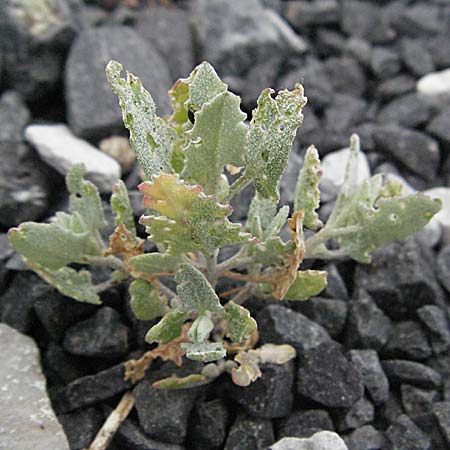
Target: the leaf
pixel 168 328
pixel 272 252
pixel 145 302
pixel 307 284
pixel 191 220
pixel 206 351
pixel 195 291
pixel 174 382
pixel 84 198
pixel 154 263
pixel 200 329
pixel 217 138
pixel 240 325
pixel 307 194
pixel 270 137
pixel 68 281
pixel 151 137
pixel 67 240
pixel 121 206
pixel 275 354
pixel 122 242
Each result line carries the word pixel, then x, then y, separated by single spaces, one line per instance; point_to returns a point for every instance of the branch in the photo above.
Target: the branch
pixel 244 294
pixel 242 182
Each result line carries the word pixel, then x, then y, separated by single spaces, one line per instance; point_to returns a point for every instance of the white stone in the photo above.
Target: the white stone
pixel 27 421
pixel 443 216
pixel 333 169
pixel 60 149
pixel 322 440
pixel 435 84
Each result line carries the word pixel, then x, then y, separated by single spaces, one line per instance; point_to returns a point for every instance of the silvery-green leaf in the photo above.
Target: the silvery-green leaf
pixel 168 328
pixel 240 325
pixel 175 382
pixel 151 137
pixel 121 206
pixel 307 284
pixel 307 195
pixel 263 220
pixel 206 351
pixel 200 329
pixel 271 252
pixel 154 263
pixel 145 302
pixel 270 137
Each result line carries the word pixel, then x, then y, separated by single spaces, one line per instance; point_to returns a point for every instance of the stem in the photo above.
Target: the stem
pixel 240 276
pixel 211 264
pixel 107 261
pixel 244 294
pixel 231 291
pixel 101 287
pixel 113 422
pixel 243 181
pixel 235 261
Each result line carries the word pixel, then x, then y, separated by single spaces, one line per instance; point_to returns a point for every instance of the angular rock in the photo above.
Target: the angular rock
pixel 438 128
pixel 409 372
pixel 440 53
pixel 85 78
pixel 60 149
pixel 14 116
pixel 403 434
pixel 359 414
pixel 327 377
pixel 360 49
pixel 81 427
pixel 420 19
pixel 92 389
pixel 437 324
pixel 374 378
pixel 365 438
pixel 6 252
pixel 409 111
pixel 336 287
pixel 271 395
pixel 102 336
pixel 250 434
pixel 416 56
pixel 27 419
pixel 407 341
pixel 441 412
pixel 303 424
pixel 163 413
pixel 368 326
pixel 209 429
pixel 396 86
pixel 323 440
pixel 176 47
pixel 289 178
pixel 280 325
pixel 346 75
pixel 418 405
pixel 344 111
pixel 400 279
pixel 435 85
pixel 302 14
pixel 384 63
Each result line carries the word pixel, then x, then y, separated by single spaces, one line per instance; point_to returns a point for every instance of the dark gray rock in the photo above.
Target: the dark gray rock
pixel 409 111
pixel 344 111
pixel 365 438
pixel 250 434
pixel 81 427
pixel 438 128
pixel 280 325
pixel 437 324
pixel 302 14
pixel 418 405
pixel 163 413
pixel 209 429
pixel 346 75
pixel 440 52
pixel 103 336
pixel 303 424
pixel 368 326
pixel 271 395
pixel 360 49
pixel 407 341
pixel 359 414
pixel 176 47
pixel 403 434
pixel 34 44
pixel 365 20
pixel 288 181
pixel 374 378
pixel 395 87
pixel 327 377
pixel 400 279
pixel 6 253
pixel 85 78
pixel 91 389
pixel 329 42
pixel 336 287
pixel 14 115
pixel 441 412
pixel 409 372
pixel 330 313
pixel 420 19
pixel 384 63
pixel 60 367
pixel 416 56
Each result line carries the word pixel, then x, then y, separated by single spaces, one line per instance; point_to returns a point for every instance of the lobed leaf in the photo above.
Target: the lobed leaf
pixel 205 351
pixel 151 137
pixel 121 206
pixel 240 325
pixel 270 137
pixel 168 328
pixel 154 263
pixel 145 302
pixel 307 284
pixel 200 329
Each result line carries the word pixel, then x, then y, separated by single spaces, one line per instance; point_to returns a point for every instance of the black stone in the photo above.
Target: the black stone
pixel 437 324
pixel 271 395
pixel 438 128
pixel 403 434
pixel 60 367
pixel 280 325
pixel 85 78
pixel 400 279
pixel 441 412
pixel 420 19
pixel 439 50
pixel 346 75
pixel 103 335
pixel 409 372
pixel 368 326
pixel 91 389
pixel 209 425
pixel 407 341
pixel 81 427
pixel 344 112
pixel 302 14
pixel 336 287
pixel 330 313
pixel 394 87
pixel 327 377
pixel 409 111
pixel 374 378
pixel 366 438
pixel 329 42
pixel 359 414
pixel 416 56
pixel 303 424
pixel 250 434
pixel 360 49
pixel 6 252
pixel 384 63
pixel 163 413
pixel 14 115
pixel 418 405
